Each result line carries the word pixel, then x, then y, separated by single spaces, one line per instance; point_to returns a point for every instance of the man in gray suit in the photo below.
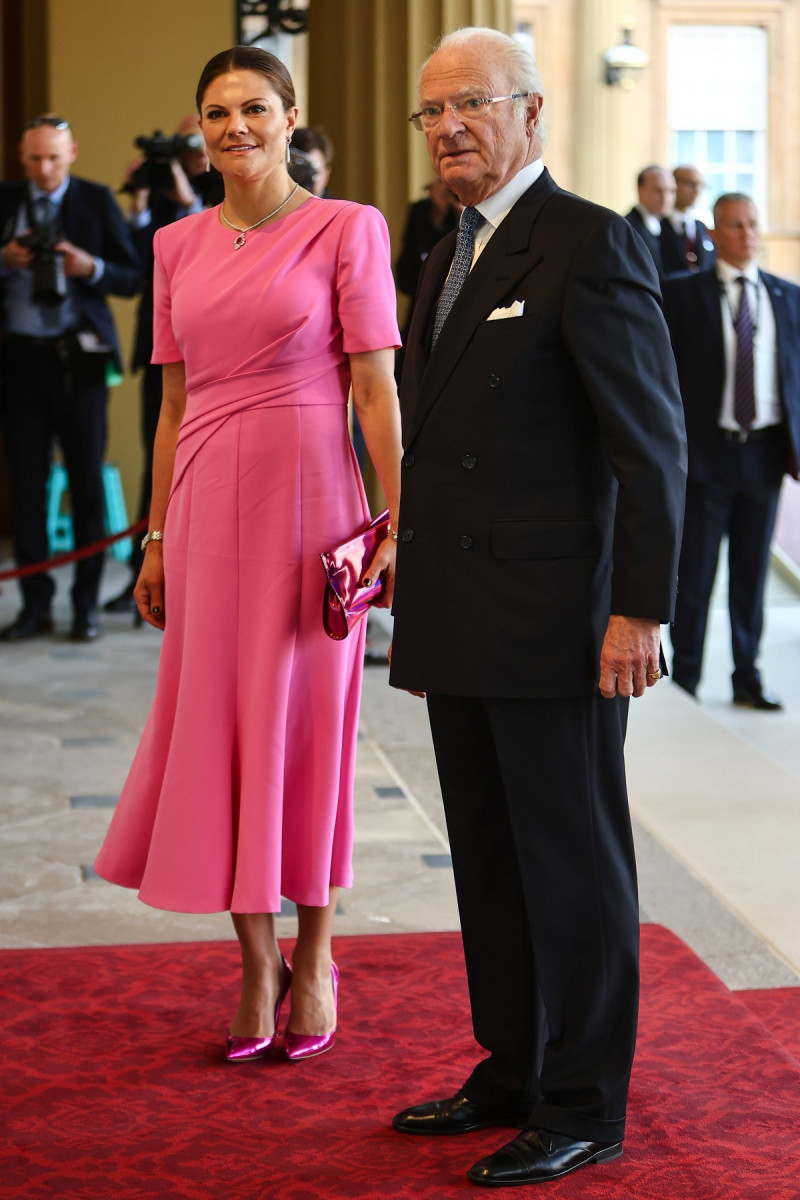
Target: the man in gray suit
pixel 543 478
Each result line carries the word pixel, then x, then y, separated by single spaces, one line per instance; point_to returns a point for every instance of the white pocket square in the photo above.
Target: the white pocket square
pixel 514 310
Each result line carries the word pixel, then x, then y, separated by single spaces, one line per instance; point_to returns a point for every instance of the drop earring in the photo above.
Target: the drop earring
pixel 288 155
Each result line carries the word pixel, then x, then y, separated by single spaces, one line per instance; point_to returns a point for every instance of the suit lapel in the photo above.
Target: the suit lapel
pixel 503 262
pixel 783 337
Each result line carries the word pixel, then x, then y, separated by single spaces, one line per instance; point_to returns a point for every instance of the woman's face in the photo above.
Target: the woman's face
pixel 244 125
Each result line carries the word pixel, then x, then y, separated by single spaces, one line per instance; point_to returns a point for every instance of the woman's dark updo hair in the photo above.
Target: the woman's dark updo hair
pixel 248 58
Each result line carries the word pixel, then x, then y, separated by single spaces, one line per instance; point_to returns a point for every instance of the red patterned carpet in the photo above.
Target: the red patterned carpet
pixel 114 1085
pixel 779 1009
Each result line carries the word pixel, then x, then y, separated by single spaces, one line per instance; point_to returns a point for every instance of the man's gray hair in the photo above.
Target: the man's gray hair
pixel 731 198
pixel 523 74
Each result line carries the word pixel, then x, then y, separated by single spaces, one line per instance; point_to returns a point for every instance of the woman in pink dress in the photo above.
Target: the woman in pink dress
pixel 267 310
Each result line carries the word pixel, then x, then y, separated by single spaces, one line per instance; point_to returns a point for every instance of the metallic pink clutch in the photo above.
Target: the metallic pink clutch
pixel 345 602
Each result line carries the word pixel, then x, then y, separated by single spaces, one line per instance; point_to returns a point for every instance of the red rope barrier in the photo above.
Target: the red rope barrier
pixel 74 555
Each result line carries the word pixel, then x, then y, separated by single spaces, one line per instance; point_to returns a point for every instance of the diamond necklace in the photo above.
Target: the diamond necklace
pixel 239 241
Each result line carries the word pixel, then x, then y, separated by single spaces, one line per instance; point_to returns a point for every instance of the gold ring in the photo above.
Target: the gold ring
pixel 654 674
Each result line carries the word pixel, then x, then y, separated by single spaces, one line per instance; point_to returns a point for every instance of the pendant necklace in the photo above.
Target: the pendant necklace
pixel 239 241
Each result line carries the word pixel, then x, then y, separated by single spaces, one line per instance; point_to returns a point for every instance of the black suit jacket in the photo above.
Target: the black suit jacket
pixel 694 315
pixel 91 219
pixel 544 464
pixel 674 247
pixel 653 243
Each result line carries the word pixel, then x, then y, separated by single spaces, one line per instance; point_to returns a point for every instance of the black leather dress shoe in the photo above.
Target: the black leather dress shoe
pixel 756 697
pixel 536 1156
pixel 457 1114
pixel 85 628
pixel 31 623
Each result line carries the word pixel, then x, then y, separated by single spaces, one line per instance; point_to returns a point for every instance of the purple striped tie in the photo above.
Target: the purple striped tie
pixel 744 393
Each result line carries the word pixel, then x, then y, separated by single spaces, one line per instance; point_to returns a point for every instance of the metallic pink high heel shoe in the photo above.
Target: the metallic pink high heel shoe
pixel 306 1045
pixel 247 1049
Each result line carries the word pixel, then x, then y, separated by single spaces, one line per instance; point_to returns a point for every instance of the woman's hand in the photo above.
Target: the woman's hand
pixel 382 563
pixel 149 590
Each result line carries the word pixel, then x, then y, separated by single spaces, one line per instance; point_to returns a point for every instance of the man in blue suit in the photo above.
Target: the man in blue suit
pixel 736 337
pixel 65 248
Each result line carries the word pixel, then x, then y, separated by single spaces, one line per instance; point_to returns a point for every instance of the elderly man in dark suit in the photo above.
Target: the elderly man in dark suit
pixel 58 339
pixel 543 479
pixel 736 336
pixel 649 216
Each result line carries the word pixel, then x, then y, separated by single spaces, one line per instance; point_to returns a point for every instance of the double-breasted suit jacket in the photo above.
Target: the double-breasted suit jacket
pixel 694 313
pixel 544 457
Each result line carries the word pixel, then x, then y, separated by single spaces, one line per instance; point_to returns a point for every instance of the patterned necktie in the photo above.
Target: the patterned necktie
pixel 744 394
pixel 45 211
pixel 459 270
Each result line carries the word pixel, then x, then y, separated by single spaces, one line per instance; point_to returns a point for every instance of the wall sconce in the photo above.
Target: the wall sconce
pixel 624 63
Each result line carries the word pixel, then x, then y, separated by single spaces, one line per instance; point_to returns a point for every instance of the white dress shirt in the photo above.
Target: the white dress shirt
pixel 769 410
pixel 497 207
pixel 652 222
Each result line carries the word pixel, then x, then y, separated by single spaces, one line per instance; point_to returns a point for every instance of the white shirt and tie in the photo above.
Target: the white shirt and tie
pixel 768 408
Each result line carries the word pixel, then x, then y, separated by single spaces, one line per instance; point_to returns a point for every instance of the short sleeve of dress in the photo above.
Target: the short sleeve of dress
pixel 165 347
pixel 365 287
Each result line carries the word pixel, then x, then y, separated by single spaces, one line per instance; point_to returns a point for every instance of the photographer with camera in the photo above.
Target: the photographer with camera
pixel 171 180
pixel 65 248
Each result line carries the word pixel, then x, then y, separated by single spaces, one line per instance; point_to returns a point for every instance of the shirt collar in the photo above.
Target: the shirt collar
pixel 652 222
pixel 497 206
pixel 55 197
pixel 728 273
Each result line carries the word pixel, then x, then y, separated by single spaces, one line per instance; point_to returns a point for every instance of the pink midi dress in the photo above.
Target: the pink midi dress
pixel 241 788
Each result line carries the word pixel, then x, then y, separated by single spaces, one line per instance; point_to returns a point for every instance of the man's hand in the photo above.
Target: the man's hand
pixel 17 257
pixel 78 264
pixel 630 656
pixel 389 656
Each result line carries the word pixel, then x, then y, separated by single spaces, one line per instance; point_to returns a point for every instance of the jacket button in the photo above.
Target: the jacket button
pixel 408 460
pixel 469 461
pixel 493 381
pixel 407 535
pixel 465 541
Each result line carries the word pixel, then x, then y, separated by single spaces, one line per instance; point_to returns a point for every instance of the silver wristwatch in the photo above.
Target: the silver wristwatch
pixel 155 535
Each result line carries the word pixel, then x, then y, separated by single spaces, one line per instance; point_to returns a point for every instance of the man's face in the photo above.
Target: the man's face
pixel 477 157
pixel 736 233
pixel 657 193
pixel 46 155
pixel 322 171
pixel 689 184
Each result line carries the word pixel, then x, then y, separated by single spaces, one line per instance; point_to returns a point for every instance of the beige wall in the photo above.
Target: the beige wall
pixel 600 137
pixel 118 69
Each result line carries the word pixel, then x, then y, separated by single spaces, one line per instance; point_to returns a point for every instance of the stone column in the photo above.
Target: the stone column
pixel 610 127
pixel 364 61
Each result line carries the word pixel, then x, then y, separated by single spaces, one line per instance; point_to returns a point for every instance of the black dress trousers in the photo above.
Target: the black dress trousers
pixel 53 392
pixel 537 813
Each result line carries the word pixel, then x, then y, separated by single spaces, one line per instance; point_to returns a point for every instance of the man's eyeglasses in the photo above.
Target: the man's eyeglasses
pixel 54 123
pixel 470 108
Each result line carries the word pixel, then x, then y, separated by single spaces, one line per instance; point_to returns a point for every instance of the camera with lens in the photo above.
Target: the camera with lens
pixel 159 151
pixel 49 284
